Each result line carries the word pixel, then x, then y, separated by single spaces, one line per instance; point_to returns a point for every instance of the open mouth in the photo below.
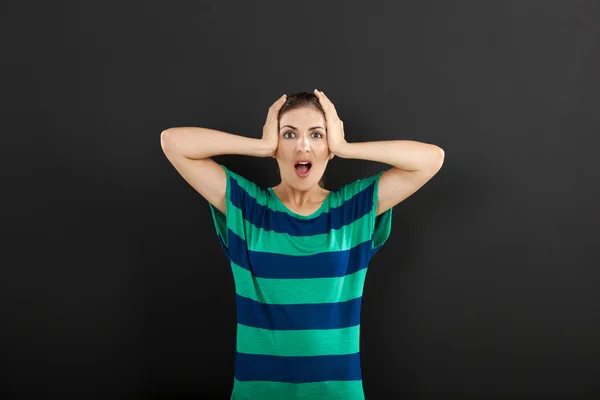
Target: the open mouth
pixel 302 167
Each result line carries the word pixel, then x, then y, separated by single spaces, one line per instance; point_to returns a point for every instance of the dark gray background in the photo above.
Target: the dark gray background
pixel 113 282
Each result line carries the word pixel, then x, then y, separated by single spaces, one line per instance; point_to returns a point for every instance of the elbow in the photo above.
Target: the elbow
pixel 440 158
pixel 441 155
pixel 165 132
pixel 436 159
pixel 166 139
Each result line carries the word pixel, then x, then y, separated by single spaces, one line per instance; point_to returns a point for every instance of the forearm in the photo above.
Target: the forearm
pixel 198 143
pixel 403 154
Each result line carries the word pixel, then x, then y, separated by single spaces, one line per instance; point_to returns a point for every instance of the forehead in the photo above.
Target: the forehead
pixel 302 117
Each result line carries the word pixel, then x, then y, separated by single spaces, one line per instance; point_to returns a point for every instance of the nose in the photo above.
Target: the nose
pixel 303 144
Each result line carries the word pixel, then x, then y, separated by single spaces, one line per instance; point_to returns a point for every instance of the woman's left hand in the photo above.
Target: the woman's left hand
pixel 335 126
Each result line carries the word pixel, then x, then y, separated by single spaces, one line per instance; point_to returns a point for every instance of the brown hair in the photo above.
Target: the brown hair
pixel 297 100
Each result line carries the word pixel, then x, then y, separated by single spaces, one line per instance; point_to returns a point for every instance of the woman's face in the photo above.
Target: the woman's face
pixel 302 135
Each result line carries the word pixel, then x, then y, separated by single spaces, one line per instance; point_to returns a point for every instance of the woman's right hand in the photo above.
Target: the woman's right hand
pixel 271 128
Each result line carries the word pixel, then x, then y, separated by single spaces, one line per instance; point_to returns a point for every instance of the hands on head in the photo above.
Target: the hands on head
pixel 271 127
pixel 335 126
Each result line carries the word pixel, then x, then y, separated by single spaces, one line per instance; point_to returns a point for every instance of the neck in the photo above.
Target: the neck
pixel 300 198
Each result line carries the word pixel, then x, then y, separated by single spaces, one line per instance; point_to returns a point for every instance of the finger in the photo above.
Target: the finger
pixel 331 106
pixel 279 102
pixel 328 104
pixel 321 96
pixel 274 109
pixel 323 102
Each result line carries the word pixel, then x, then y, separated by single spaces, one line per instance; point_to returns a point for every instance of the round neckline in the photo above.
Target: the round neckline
pixel 296 215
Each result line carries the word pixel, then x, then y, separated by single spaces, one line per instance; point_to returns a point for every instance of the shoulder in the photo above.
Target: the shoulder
pixel 359 185
pixel 241 190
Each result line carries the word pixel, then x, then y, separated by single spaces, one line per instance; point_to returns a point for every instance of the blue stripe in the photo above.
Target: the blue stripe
pixel 256 367
pixel 322 265
pixel 298 316
pixel 262 217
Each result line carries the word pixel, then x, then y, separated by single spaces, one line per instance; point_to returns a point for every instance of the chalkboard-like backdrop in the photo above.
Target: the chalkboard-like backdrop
pixel 113 284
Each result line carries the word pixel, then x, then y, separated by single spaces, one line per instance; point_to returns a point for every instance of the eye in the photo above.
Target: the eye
pixel 317 133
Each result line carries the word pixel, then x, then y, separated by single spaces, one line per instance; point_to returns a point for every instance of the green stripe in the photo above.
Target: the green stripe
pixel 327 390
pixel 298 343
pixel 258 239
pixel 298 291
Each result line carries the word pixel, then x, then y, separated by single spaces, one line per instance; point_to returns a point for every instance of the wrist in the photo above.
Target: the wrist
pixel 263 148
pixel 341 149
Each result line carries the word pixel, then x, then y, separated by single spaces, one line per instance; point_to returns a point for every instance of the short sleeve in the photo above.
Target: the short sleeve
pixel 242 200
pixel 381 225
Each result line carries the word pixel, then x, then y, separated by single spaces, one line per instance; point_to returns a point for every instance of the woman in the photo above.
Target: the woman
pixel 298 252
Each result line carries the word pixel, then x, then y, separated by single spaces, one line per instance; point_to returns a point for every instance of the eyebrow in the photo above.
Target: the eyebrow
pixel 310 129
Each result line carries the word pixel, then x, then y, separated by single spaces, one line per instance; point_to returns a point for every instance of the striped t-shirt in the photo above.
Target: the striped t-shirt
pixel 299 283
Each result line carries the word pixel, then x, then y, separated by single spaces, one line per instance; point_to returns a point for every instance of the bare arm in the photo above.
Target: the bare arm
pixel 189 151
pixel 198 143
